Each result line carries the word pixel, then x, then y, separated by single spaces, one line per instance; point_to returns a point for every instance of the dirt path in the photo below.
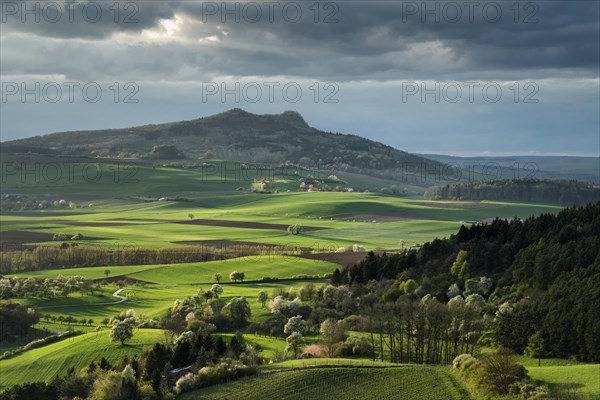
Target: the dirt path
pixel 116 294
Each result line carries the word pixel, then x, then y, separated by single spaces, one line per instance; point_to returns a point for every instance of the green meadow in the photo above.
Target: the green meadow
pixel 77 352
pixel 355 382
pixel 112 215
pixel 367 219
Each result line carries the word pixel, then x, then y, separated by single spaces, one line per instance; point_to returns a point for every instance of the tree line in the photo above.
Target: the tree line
pixel 561 191
pixel 69 256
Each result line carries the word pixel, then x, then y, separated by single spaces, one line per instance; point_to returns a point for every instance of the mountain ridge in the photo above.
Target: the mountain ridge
pixel 238 135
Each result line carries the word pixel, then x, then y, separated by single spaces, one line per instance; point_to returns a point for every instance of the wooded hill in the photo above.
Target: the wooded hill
pixel 237 135
pixel 545 274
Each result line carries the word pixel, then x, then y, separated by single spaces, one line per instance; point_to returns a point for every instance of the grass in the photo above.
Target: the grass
pixel 267 346
pixel 153 300
pixel 53 360
pixel 122 220
pixel 583 378
pixel 561 374
pixel 254 267
pixel 350 216
pixel 329 382
pixel 87 273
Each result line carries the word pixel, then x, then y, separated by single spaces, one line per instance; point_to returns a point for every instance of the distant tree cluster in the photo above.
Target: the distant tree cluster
pixel 23 202
pixel 47 287
pixel 294 229
pixel 567 192
pixel 166 152
pixel 61 237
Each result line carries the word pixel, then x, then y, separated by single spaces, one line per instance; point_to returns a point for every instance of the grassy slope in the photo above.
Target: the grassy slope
pixel 88 272
pixel 559 373
pixel 55 359
pixel 349 215
pixel 153 300
pixel 149 178
pixel 414 382
pixel 255 267
pixel 585 379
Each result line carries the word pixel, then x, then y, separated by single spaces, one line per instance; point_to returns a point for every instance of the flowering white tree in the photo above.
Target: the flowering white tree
pixel 295 324
pixel 453 291
pixel 121 331
pixel 216 289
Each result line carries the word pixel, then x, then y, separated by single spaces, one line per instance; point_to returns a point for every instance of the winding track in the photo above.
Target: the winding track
pixel 116 294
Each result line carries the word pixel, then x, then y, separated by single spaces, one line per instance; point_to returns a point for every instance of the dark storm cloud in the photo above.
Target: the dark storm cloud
pixel 370 40
pixel 82 19
pixel 172 48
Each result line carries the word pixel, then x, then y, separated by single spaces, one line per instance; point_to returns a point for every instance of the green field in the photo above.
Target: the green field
pixel 584 379
pixel 120 219
pixel 55 359
pixel 255 268
pixel 354 383
pixel 152 300
pixel 371 220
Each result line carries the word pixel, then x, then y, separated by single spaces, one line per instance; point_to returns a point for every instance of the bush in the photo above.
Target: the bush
pixel 60 237
pixel 295 229
pixel 305 276
pixel 354 346
pixel 464 362
pixel 528 391
pixel 343 350
pixel 497 372
pixel 185 383
pixel 222 372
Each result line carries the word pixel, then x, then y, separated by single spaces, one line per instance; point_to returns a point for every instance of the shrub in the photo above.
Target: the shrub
pixel 222 372
pixel 185 383
pixel 497 372
pixel 464 362
pixel 529 391
pixel 60 237
pixel 295 229
pixel 305 276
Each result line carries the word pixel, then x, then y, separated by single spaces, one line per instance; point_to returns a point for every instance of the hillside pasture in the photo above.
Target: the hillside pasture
pixel 330 382
pixel 55 359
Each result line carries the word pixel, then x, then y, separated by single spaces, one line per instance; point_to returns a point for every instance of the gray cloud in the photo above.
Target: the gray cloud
pixel 377 41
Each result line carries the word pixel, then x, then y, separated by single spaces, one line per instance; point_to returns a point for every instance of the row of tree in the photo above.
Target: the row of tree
pixel 45 257
pixel 16 259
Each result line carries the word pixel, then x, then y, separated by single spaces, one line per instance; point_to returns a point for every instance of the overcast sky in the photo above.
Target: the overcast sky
pixel 462 78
